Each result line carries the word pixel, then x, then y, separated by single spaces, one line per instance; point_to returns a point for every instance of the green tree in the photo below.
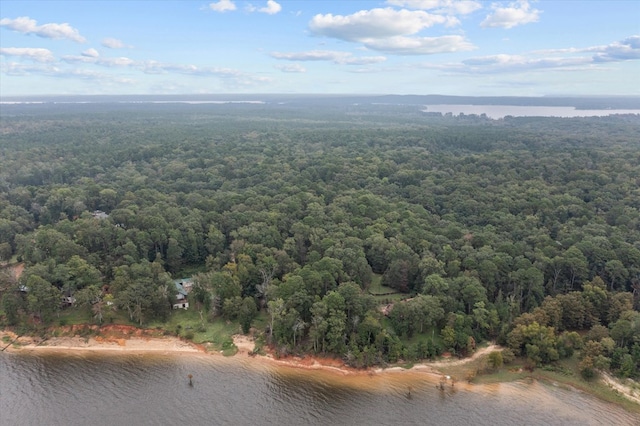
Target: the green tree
pixel 92 296
pixel 43 299
pixel 495 360
pixel 538 343
pixel 11 305
pixel 617 274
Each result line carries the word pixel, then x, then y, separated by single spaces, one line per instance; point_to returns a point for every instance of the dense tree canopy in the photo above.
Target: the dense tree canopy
pixel 518 229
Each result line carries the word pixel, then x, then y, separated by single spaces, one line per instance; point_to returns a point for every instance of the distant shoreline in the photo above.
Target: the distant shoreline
pixel 310 99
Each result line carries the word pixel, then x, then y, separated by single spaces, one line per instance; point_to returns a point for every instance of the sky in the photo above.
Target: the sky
pixel 448 47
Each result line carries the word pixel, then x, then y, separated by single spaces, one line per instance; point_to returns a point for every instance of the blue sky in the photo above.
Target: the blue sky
pixel 511 48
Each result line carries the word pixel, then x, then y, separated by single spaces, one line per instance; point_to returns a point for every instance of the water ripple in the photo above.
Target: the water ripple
pixel 105 389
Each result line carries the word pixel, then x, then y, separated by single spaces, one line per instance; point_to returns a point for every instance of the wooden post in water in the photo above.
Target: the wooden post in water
pixel 190 381
pixel 443 381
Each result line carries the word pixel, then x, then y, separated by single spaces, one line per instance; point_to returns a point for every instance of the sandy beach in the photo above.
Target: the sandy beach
pixel 115 338
pixel 130 339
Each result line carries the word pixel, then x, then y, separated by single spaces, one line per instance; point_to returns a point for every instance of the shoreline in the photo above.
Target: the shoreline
pixel 128 339
pixel 114 339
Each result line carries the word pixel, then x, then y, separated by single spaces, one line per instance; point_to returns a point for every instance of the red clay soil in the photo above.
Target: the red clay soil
pixel 314 362
pixel 110 330
pixel 17 270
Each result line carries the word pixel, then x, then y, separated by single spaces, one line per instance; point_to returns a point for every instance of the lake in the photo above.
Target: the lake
pixel 98 388
pixel 501 111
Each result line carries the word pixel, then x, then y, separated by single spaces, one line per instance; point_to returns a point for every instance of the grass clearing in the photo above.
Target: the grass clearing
pixel 73 316
pixel 383 294
pixel 430 335
pixel 390 298
pixel 564 373
pixel 376 288
pixel 189 324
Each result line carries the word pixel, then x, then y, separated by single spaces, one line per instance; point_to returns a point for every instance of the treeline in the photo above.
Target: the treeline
pixel 522 230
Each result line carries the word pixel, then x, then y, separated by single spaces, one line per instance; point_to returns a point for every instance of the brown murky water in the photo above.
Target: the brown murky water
pixel 84 388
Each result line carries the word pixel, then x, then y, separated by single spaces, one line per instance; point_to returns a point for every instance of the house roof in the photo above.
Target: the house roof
pixel 180 288
pixel 99 214
pixel 182 283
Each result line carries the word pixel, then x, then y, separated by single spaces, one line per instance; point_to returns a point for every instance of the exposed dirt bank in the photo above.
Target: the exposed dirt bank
pixel 131 339
pixel 622 388
pixel 107 338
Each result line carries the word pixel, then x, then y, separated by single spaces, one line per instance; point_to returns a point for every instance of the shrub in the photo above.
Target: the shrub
pixel 495 360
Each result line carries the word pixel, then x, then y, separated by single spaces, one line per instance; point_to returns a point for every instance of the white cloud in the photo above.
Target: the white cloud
pixel 364 60
pixel 113 43
pixel 292 68
pixel 15 69
pixel 90 53
pixel 105 62
pixel 552 59
pixel 374 23
pixel 391 31
pixel 624 50
pixel 455 7
pixel 271 8
pixel 92 75
pixel 33 53
pixel 365 70
pixel 341 58
pixel 26 25
pixel 512 63
pixel 627 49
pixel 517 13
pixel 590 58
pixel 231 77
pixel 420 45
pixel 222 6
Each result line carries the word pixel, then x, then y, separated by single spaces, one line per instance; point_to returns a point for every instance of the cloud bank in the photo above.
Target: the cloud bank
pixel 292 68
pixel 517 13
pixel 33 53
pixel 391 31
pixel 26 25
pixel 340 58
pixel 451 7
pixel 113 43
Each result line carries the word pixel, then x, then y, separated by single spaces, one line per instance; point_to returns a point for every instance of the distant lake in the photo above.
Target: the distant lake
pixel 84 388
pixel 501 111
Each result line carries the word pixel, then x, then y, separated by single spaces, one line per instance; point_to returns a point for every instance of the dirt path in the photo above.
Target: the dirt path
pixel 626 391
pixel 16 270
pixel 245 344
pixel 457 362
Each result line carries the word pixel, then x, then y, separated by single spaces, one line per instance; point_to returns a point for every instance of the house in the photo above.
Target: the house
pixel 180 304
pixel 186 283
pixel 183 287
pixel 99 214
pixel 68 301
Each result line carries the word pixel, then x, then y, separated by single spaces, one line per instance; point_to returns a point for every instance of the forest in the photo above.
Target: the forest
pixel 371 232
